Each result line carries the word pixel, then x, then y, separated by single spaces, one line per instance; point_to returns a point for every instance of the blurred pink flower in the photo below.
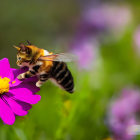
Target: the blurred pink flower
pixel 15 96
pixel 106 17
pixel 86 54
pixel 122 114
pixel 95 23
pixel 137 39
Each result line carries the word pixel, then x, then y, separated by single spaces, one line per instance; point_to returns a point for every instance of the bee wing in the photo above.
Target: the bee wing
pixel 65 57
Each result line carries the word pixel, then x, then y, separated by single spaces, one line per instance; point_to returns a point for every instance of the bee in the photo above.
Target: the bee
pixel 45 65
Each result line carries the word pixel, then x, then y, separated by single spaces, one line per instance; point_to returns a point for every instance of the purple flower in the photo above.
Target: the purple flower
pixel 105 17
pixel 15 96
pixel 122 115
pixel 86 53
pixel 95 23
pixel 137 39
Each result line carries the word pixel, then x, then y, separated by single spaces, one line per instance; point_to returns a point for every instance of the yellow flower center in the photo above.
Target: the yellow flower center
pixel 4 85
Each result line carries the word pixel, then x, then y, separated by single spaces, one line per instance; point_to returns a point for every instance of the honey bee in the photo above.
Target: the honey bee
pixel 45 66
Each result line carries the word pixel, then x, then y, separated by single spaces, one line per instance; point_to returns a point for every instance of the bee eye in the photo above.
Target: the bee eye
pixel 19 58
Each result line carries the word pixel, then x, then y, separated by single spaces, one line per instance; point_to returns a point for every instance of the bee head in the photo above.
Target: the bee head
pixel 24 55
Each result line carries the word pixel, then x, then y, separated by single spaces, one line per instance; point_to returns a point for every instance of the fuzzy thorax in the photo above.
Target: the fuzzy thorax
pixel 4 85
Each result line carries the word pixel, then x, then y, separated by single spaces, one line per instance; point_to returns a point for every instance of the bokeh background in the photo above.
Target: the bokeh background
pixel 105 37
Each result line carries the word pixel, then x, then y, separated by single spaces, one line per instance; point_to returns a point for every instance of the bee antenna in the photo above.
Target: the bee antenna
pixel 29 43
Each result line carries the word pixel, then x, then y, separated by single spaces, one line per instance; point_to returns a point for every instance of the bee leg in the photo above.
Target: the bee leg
pixel 27 74
pixel 42 79
pixel 21 76
pixel 32 61
pixel 39 83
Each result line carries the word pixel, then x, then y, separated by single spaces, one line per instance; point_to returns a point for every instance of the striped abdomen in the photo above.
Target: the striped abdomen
pixel 62 76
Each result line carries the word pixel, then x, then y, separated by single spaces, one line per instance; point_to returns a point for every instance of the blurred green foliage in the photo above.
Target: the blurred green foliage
pixel 59 115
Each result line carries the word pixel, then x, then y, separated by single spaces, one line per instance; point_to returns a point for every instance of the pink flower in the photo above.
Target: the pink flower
pixel 95 24
pixel 106 17
pixel 136 38
pixel 122 114
pixel 15 96
pixel 86 53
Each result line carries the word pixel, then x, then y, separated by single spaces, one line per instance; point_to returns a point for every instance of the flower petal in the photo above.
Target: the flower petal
pixel 16 108
pixel 14 79
pixel 5 70
pixel 6 113
pixel 25 106
pixel 25 92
